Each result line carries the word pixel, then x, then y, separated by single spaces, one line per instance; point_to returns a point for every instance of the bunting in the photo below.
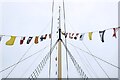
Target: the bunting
pixel 102 35
pixel 41 38
pixel 90 35
pixel 29 40
pixel 11 41
pixel 45 36
pixel 22 40
pixel 77 34
pixel 74 36
pixel 82 36
pixel 71 35
pixel 63 33
pixel 66 35
pixel 36 40
pixel 114 32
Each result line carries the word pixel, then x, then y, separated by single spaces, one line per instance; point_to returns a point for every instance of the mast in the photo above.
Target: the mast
pixel 59 50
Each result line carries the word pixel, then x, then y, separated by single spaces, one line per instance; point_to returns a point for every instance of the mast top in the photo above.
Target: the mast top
pixel 59 28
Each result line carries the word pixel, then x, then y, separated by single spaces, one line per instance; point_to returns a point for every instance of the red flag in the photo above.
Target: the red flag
pixel 114 32
pixel 45 36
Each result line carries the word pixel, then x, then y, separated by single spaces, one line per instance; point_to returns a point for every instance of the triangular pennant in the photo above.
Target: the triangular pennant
pixel 1 37
pixel 82 36
pixel 76 36
pixel 22 40
pixel 29 40
pixel 114 32
pixel 102 35
pixel 11 41
pixel 90 35
pixel 36 40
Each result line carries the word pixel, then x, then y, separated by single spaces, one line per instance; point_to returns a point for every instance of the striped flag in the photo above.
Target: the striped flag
pixel 102 35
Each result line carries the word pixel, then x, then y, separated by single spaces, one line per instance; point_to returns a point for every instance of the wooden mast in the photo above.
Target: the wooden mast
pixel 59 50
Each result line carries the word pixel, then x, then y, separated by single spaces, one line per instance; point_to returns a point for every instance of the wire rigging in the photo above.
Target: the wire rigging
pixel 51 38
pixel 91 68
pixel 31 64
pixel 85 57
pixel 52 48
pixel 23 60
pixel 97 61
pixel 18 61
pixel 15 65
pixel 96 57
pixel 65 38
pixel 80 71
pixel 42 64
pixel 82 62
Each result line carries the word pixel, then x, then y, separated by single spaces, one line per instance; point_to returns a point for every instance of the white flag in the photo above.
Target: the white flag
pixel 82 36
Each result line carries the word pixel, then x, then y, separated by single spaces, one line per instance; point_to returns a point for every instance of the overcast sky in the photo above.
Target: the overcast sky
pixel 33 17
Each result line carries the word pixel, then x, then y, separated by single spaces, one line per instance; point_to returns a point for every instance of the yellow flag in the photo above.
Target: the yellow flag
pixel 90 35
pixel 11 41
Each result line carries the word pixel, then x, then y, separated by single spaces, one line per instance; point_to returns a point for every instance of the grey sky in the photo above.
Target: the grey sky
pixel 33 17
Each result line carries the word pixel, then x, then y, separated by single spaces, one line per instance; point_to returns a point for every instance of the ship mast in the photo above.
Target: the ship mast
pixel 59 48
